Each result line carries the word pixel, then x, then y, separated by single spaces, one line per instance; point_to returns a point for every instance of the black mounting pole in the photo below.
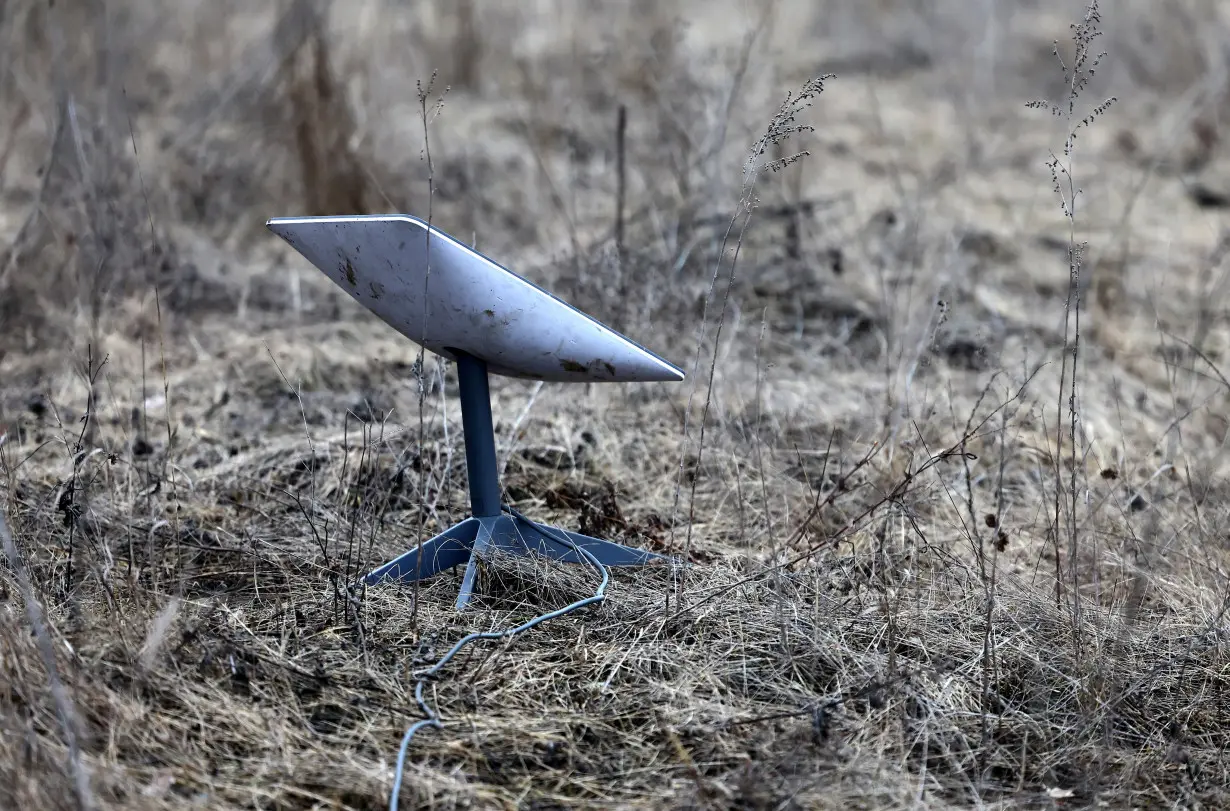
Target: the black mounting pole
pixel 476 423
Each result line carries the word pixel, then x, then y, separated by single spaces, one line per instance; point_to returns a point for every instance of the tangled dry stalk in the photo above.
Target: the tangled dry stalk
pixel 949 461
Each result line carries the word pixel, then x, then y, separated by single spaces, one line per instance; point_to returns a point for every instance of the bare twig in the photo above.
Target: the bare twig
pixel 59 693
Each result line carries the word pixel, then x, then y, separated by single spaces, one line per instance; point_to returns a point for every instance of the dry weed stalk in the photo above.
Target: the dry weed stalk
pixel 63 702
pixel 782 126
pixel 426 117
pixel 1076 76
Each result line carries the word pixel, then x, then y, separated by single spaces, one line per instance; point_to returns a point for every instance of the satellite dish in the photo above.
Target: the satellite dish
pixel 449 298
pixel 455 302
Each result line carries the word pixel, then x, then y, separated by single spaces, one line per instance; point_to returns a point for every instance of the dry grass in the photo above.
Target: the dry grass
pixel 948 554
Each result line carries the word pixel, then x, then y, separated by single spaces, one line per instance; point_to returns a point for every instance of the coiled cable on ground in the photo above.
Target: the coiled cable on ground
pixel 432 719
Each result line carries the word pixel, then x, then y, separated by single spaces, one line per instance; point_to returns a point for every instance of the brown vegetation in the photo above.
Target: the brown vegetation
pixel 950 459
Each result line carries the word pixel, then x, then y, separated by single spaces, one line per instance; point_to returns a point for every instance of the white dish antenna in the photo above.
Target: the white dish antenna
pixel 448 298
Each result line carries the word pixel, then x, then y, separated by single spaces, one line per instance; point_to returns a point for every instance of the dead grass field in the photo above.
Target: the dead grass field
pixel 930 570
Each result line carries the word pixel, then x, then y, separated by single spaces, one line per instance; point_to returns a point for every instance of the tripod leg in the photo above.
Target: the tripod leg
pixel 444 551
pixel 482 542
pixel 517 537
pixel 547 544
